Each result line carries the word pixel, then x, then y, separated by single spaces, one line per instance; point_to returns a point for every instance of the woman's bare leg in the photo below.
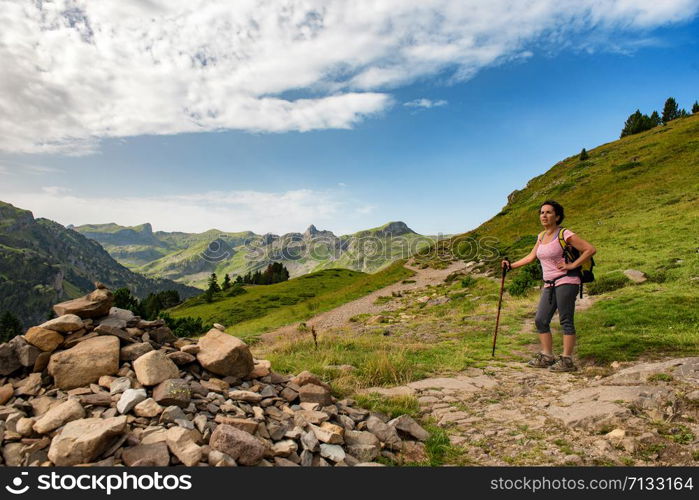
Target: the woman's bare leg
pixel 546 342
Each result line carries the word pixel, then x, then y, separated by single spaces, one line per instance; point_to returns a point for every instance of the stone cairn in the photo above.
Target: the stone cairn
pixel 100 386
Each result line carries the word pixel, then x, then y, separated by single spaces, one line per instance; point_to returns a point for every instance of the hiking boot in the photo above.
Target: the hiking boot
pixel 563 364
pixel 541 360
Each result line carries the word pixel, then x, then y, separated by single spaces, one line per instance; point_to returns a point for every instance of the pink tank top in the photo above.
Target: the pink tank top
pixel 550 254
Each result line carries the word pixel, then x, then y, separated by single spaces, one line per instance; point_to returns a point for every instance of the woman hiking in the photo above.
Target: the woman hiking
pixel 561 285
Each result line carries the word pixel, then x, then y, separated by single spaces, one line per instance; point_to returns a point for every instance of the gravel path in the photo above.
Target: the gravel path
pixel 365 305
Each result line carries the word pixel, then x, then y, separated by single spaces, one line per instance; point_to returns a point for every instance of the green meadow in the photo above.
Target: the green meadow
pixel 266 307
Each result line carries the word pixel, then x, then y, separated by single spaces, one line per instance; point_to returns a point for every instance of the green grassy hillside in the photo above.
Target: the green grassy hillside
pixel 636 200
pixel 266 307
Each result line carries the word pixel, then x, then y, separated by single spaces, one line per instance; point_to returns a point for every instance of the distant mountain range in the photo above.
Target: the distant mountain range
pixel 42 262
pixel 191 257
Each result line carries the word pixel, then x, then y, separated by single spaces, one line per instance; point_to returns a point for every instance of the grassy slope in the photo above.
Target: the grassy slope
pixel 267 307
pixel 636 200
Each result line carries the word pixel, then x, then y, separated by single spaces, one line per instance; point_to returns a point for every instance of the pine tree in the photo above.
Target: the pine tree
pixel 10 326
pixel 583 155
pixel 670 111
pixel 695 107
pixel 226 282
pixel 239 279
pixel 638 122
pixel 213 284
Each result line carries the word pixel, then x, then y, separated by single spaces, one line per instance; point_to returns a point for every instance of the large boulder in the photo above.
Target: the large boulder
pixel 244 448
pixel 224 354
pixel 92 305
pixel 154 367
pixel 86 362
pixel 43 338
pixel 82 441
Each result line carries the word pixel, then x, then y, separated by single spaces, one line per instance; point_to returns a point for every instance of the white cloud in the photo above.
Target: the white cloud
pixel 196 212
pixel 425 103
pixel 55 190
pixel 22 168
pixel 76 71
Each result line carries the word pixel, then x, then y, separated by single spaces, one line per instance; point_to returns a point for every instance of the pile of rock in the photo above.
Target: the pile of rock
pixel 98 385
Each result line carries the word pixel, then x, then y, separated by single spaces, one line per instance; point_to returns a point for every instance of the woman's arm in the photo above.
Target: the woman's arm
pixel 523 261
pixel 585 248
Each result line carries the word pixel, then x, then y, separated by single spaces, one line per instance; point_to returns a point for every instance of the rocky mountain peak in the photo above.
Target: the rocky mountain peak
pixel 395 229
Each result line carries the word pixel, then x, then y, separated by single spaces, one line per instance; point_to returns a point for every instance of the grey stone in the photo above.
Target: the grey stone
pixel 332 452
pixel 174 391
pixel 406 424
pixel 9 362
pixel 181 358
pixel 129 399
pixel 132 352
pixel 162 335
pixel 635 276
pixel 312 393
pixel 119 385
pixel 241 446
pixel 384 432
pixel 171 414
pixel 363 452
pixel 27 354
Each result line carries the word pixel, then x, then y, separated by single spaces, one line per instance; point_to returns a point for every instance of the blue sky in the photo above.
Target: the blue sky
pixel 494 124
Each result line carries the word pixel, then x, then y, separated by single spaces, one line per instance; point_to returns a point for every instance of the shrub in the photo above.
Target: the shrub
pixel 583 155
pixel 467 282
pixel 235 289
pixel 529 276
pixel 186 326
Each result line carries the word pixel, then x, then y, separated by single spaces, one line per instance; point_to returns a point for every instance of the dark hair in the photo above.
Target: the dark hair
pixel 557 208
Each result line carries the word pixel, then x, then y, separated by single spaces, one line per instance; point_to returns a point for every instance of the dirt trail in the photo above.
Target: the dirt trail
pixel 365 305
pixel 509 414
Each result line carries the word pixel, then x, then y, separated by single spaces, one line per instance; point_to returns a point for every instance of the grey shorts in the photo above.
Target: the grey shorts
pixel 561 297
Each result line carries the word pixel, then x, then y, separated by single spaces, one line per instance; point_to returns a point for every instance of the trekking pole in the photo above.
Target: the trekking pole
pixel 497 321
